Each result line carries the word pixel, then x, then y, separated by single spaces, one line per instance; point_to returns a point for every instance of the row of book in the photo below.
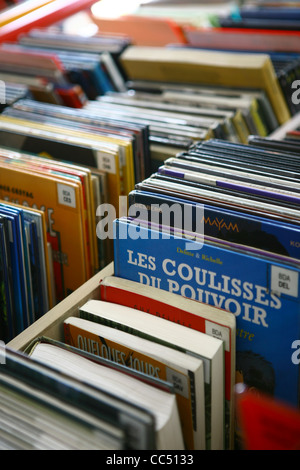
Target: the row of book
pixel 89 414
pixel 188 353
pixel 241 31
pixel 110 147
pixel 219 224
pixel 175 115
pixel 63 70
pixel 70 164
pixel 254 191
pixel 188 313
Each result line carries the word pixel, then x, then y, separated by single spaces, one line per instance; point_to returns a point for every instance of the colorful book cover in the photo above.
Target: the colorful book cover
pixel 62 203
pixel 7 331
pixel 75 147
pixel 235 226
pixel 262 293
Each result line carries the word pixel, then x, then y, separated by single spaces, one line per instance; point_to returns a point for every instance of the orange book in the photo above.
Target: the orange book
pixel 62 201
pixel 143 31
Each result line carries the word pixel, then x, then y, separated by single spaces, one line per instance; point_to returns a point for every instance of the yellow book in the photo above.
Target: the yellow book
pixel 62 202
pixel 257 119
pixel 106 155
pixel 241 126
pixel 34 168
pixel 235 70
pixel 43 165
pixel 184 372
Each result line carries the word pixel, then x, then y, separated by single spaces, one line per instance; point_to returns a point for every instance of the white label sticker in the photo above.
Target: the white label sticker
pixel 66 195
pixel 220 332
pixel 284 281
pixel 106 162
pixel 179 381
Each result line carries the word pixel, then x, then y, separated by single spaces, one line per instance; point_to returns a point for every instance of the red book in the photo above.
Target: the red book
pixel 267 424
pixel 45 16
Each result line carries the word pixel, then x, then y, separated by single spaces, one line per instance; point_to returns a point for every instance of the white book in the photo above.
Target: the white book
pixel 209 349
pixel 161 404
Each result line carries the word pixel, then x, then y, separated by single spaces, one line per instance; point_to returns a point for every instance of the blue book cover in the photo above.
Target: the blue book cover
pixel 235 226
pixel 262 293
pixel 269 13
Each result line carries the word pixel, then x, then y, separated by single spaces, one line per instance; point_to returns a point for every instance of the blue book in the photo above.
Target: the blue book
pixel 227 224
pixel 262 292
pixel 291 14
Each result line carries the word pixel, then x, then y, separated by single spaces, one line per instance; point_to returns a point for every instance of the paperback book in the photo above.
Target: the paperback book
pixel 261 291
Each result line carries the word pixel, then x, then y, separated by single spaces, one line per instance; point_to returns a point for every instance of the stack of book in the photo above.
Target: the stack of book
pixel 72 166
pixel 185 65
pixel 180 115
pixel 220 224
pixel 169 358
pixel 61 76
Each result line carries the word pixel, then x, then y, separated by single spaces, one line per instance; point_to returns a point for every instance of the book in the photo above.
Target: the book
pixel 32 420
pixel 225 223
pixel 265 423
pixel 216 68
pixel 62 201
pixel 244 40
pixel 35 235
pixel 100 122
pixel 93 408
pixel 44 16
pixel 183 90
pixel 161 404
pixel 184 372
pixel 260 290
pixel 150 380
pixel 142 31
pixel 207 319
pixel 76 148
pixel 209 349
